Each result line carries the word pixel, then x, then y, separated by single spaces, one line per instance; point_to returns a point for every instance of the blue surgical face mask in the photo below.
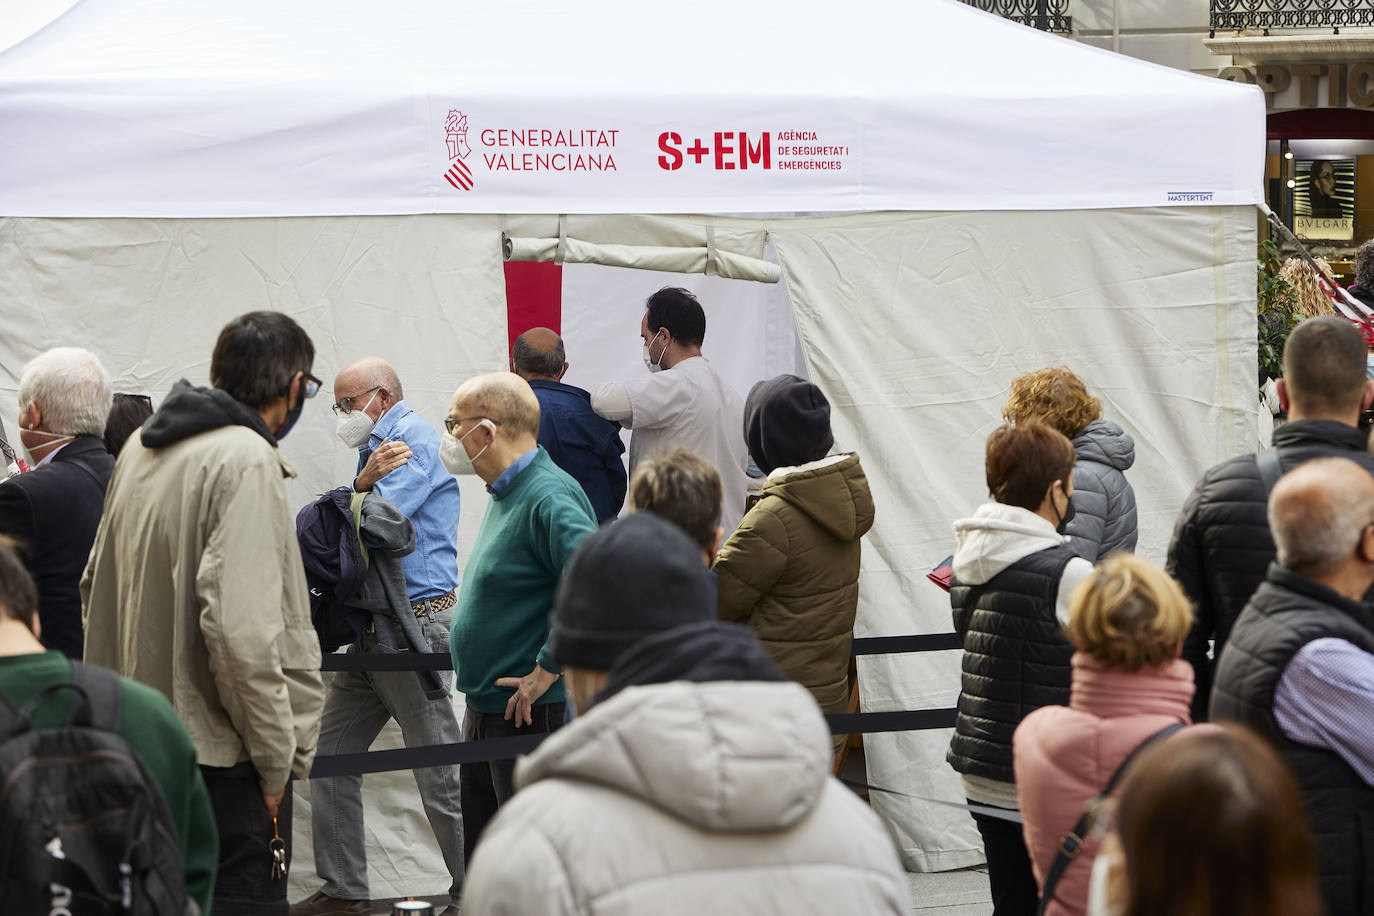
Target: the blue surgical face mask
pixel 1369 366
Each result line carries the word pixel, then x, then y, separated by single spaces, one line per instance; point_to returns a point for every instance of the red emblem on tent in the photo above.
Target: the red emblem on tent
pixel 456 136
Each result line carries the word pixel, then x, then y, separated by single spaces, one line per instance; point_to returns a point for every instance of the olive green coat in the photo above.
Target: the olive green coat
pixel 790 571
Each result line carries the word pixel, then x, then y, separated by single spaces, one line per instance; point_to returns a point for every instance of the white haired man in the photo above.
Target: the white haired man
pixel 1299 666
pixel 54 510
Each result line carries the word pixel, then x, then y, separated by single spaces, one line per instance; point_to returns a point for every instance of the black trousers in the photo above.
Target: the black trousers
pixel 1014 892
pixel 244 885
pixel 484 787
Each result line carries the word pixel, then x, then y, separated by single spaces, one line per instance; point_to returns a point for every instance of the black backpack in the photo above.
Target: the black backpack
pixel 84 827
pixel 335 567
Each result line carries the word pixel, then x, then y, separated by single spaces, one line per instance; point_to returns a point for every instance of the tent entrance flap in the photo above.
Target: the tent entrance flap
pixel 711 253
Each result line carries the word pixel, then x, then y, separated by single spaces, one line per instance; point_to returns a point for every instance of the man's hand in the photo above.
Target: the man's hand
pixel 387 458
pixel 527 689
pixel 273 802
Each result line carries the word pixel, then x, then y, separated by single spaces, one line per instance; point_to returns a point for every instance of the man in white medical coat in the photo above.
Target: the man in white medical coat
pixel 683 402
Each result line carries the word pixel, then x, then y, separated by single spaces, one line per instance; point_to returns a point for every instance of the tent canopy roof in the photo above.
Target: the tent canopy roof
pixel 271 108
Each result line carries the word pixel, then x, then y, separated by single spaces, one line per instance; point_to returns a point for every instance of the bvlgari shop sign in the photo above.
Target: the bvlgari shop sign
pixel 1309 85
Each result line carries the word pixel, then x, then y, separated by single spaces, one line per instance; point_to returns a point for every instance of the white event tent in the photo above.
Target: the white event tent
pixel 948 199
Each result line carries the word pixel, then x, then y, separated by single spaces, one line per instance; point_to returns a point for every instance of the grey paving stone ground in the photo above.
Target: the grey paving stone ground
pixel 951 893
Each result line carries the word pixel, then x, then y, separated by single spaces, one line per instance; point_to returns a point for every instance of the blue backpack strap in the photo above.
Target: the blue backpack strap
pixel 102 692
pixel 95 702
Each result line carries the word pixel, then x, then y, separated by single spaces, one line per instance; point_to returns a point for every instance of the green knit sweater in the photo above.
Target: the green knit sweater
pixel 155 734
pixel 501 624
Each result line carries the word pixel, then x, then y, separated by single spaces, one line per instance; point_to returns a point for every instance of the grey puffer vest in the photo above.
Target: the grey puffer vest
pixel 1102 497
pixel 1016 659
pixel 1287 612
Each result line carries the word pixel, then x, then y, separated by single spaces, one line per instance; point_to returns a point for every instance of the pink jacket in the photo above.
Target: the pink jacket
pixel 1064 756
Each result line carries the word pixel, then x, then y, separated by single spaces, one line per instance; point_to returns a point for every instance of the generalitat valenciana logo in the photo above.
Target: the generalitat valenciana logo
pixel 456 136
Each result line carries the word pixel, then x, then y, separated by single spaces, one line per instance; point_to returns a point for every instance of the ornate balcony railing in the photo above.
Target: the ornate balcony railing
pixel 1238 15
pixel 1045 15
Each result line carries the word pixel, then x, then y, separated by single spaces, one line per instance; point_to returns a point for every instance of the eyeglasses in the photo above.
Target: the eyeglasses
pixel 310 383
pixel 450 423
pixel 344 406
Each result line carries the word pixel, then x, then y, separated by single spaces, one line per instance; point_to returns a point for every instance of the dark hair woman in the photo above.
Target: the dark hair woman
pixel 1012 577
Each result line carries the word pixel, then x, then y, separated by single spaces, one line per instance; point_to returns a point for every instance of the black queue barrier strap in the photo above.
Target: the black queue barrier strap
pixel 907 720
pixel 388 661
pixel 884 645
pixel 433 755
pixel 485 751
pixel 441 661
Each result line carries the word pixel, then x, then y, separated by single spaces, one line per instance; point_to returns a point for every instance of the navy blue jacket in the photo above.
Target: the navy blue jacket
pixel 53 512
pixel 585 446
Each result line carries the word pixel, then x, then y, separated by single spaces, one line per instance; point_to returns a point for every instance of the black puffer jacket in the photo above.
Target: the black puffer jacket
pixel 1222 545
pixel 1286 613
pixel 1016 659
pixel 1105 521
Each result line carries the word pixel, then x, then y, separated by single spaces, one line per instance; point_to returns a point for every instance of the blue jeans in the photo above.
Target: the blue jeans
pixel 358 706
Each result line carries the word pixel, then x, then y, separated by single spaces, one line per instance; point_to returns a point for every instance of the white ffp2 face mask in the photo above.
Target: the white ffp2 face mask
pixel 355 426
pixel 53 439
pixel 654 365
pixel 454 457
pixel 1099 887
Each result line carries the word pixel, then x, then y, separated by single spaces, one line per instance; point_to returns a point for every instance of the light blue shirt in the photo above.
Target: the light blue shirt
pixel 510 473
pixel 427 494
pixel 1325 699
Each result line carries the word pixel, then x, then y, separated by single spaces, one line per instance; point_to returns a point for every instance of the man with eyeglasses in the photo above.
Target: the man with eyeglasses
pixel 536 516
pixel 398 460
pixel 195 587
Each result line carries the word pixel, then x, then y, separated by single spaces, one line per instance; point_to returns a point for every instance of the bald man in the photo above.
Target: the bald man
pixel 580 442
pixel 534 520
pixel 1299 666
pixel 398 459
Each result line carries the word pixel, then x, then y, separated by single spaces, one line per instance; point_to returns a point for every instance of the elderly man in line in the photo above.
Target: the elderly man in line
pixel 533 521
pixel 53 511
pixel 578 441
pixel 1299 666
pixel 683 402
pixel 398 459
pixel 196 588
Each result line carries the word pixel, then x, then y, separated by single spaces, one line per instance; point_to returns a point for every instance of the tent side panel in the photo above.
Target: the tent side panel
pixel 915 326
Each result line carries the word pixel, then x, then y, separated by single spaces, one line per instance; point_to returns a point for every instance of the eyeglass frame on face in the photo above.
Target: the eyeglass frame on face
pixel 451 422
pixel 310 385
pixel 344 406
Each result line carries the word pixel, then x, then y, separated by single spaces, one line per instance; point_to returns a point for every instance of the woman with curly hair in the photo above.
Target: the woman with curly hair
pixel 1103 518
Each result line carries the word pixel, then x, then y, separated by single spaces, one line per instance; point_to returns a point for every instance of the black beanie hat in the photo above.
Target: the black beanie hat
pixel 786 422
pixel 630 579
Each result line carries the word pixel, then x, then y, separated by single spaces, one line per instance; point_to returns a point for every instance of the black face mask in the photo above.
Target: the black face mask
pixel 1069 513
pixel 293 413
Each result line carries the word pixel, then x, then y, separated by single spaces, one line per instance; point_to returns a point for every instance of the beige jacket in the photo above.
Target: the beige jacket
pixel 195 587
pixel 686 798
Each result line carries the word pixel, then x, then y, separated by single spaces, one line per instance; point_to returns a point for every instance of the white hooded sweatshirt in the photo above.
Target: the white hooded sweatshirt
pixel 998 535
pixel 685 798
